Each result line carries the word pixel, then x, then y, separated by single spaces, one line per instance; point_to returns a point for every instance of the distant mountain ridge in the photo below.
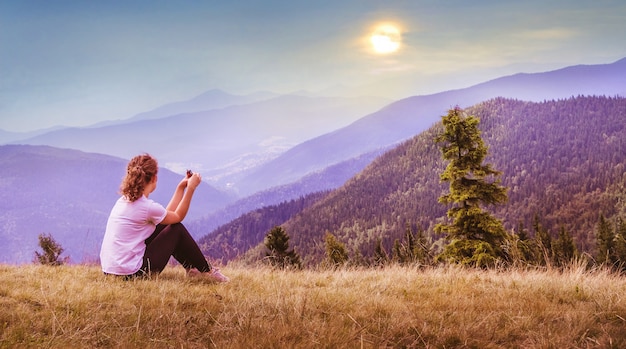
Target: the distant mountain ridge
pixel 218 142
pixel 403 119
pixel 8 137
pixel 209 100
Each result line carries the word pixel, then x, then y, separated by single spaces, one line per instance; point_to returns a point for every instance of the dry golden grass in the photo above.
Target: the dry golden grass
pixel 78 307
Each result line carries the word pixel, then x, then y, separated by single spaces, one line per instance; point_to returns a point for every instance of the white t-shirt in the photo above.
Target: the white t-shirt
pixel 129 225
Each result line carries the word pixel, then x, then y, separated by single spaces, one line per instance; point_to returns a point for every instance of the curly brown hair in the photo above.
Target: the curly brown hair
pixel 140 171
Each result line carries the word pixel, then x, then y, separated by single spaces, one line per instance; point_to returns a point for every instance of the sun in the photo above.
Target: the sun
pixel 385 39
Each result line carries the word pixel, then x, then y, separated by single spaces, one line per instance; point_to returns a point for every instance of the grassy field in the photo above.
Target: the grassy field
pixel 78 307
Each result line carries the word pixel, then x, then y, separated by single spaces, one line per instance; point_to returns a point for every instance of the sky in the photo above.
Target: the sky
pixel 76 63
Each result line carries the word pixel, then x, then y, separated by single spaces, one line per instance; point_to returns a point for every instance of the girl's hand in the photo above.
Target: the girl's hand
pixel 194 181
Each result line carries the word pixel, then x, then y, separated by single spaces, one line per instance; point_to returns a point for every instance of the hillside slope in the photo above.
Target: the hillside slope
pixel 330 178
pixel 563 160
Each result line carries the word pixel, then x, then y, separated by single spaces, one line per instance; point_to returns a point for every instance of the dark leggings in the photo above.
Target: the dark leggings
pixel 172 240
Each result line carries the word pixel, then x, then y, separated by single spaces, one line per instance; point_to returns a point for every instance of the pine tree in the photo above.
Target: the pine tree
pixel 520 250
pixel 521 232
pixel 620 244
pixel 336 253
pixel 564 249
pixel 419 247
pixel 278 255
pixel 475 236
pixel 411 248
pixel 51 251
pixel 404 252
pixel 605 242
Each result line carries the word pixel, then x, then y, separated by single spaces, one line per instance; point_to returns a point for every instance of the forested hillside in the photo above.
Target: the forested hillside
pixel 561 160
pixel 330 178
pixel 231 240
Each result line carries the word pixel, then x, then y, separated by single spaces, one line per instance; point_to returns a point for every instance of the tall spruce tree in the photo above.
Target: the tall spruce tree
pixel 564 249
pixel 475 237
pixel 279 255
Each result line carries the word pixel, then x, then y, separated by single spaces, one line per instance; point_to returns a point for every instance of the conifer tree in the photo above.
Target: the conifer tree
pixel 51 251
pixel 475 237
pixel 279 255
pixel 605 242
pixel 423 248
pixel 417 248
pixel 404 252
pixel 381 257
pixel 411 244
pixel 336 253
pixel 520 249
pixel 525 244
pixel 620 244
pixel 564 249
pixel 521 232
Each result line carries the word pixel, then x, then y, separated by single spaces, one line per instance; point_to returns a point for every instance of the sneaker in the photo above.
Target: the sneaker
pixel 193 272
pixel 216 275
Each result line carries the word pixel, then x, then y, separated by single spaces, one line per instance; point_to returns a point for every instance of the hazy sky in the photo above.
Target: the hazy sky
pixel 79 62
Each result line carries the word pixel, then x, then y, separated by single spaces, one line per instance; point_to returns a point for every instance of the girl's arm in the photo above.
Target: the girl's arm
pixel 179 204
pixel 178 195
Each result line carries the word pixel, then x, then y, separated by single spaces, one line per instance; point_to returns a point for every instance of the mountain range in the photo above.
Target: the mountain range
pixel 216 142
pixel 405 118
pixel 241 145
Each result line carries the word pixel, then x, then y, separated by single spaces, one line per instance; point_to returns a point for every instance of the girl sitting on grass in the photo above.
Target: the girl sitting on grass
pixel 141 234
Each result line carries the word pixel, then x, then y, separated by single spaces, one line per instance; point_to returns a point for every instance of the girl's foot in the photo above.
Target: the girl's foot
pixel 193 272
pixel 214 275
